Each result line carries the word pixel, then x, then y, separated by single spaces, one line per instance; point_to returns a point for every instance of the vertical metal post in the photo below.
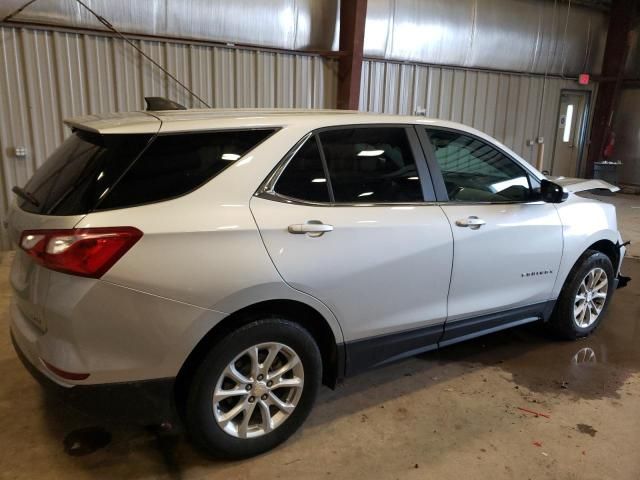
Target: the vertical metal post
pixel 352 19
pixel 615 56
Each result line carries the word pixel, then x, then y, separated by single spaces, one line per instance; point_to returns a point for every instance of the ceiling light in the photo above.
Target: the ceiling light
pixel 370 153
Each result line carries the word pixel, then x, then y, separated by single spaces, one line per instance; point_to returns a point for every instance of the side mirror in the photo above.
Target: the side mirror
pixel 552 192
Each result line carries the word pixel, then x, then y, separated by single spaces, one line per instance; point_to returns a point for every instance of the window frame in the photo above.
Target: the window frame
pixel 266 189
pixel 438 178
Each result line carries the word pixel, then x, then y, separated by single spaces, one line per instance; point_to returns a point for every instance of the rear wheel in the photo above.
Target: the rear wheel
pixel 254 389
pixel 585 296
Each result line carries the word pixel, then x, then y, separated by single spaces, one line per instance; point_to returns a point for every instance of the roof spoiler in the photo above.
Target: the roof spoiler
pixel 161 103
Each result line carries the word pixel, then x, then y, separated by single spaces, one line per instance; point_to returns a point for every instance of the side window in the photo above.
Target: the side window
pixel 176 164
pixel 474 171
pixel 304 177
pixel 371 164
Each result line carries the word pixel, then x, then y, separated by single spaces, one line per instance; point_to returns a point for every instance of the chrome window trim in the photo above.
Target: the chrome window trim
pixel 277 197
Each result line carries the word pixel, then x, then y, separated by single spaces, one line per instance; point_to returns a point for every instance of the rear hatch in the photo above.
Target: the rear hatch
pixel 70 184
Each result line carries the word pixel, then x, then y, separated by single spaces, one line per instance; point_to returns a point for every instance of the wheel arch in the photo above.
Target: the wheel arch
pixel 608 248
pixel 331 350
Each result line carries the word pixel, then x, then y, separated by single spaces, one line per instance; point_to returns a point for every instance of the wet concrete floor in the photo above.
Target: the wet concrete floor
pixel 516 404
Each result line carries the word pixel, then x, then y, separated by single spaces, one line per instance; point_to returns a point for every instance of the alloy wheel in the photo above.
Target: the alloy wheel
pixel 258 390
pixel 591 297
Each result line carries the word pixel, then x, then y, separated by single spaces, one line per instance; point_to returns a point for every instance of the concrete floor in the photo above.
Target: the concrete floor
pixel 442 415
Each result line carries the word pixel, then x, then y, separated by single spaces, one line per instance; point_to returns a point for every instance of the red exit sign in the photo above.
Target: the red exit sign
pixel 583 79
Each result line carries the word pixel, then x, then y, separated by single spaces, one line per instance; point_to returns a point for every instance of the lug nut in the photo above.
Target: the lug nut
pixel 264 397
pixel 260 377
pixel 269 383
pixel 252 399
pixel 248 387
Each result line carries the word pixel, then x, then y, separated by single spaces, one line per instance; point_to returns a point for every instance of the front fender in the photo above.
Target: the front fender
pixel 584 222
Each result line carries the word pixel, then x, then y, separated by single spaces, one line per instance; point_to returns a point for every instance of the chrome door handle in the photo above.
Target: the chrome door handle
pixel 312 226
pixel 472 222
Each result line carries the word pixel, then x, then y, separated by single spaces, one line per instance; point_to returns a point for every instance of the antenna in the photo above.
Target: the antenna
pixel 109 26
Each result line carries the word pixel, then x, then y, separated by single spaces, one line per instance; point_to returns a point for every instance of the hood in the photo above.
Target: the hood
pixel 575 185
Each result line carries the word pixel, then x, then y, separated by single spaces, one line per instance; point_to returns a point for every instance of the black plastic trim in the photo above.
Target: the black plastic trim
pixel 375 351
pixel 146 402
pixel 461 330
pixel 434 169
pixel 360 355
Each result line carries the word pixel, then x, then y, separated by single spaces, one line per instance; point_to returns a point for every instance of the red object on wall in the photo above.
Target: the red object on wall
pixel 609 148
pixel 583 79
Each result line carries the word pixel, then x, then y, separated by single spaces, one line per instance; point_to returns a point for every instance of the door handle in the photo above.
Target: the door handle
pixel 313 227
pixel 472 222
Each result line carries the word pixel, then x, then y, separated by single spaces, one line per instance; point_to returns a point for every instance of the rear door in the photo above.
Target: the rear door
pixel 507 243
pixel 350 220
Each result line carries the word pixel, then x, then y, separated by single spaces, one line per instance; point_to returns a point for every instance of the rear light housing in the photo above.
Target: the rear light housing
pixel 87 252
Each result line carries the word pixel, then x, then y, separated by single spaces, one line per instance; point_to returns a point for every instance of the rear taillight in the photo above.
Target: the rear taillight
pixel 88 252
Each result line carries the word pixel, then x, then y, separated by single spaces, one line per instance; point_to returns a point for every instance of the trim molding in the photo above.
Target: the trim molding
pixel 361 355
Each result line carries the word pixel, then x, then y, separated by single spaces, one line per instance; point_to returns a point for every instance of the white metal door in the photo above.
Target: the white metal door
pixel 568 149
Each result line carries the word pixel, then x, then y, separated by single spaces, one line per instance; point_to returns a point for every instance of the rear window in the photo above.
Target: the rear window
pixel 97 172
pixel 80 171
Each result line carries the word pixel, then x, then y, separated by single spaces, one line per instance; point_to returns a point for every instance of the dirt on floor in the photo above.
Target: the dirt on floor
pixel 515 404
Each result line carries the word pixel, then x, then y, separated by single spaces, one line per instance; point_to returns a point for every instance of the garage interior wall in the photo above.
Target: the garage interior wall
pixel 503 105
pixel 626 126
pixel 46 76
pixel 446 59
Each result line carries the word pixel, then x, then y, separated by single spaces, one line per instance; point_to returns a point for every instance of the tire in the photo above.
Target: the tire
pixel 565 321
pixel 213 423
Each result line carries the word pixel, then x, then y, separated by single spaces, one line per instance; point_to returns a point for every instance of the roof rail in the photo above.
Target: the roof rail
pixel 161 103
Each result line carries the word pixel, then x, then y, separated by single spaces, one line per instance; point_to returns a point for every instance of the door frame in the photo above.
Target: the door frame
pixel 585 126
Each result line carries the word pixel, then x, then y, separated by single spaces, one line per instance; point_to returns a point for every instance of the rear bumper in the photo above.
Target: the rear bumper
pixel 148 402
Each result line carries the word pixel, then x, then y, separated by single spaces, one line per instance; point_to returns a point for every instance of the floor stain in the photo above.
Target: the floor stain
pixel 586 429
pixel 86 440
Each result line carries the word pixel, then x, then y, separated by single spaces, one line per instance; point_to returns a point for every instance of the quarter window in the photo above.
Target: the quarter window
pixel 304 178
pixel 372 164
pixel 475 171
pixel 176 164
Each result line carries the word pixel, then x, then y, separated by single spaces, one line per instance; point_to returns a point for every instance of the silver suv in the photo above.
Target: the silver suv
pixel 218 266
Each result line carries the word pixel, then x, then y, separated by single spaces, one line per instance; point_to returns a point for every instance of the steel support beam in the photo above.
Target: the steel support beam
pixel 352 19
pixel 615 57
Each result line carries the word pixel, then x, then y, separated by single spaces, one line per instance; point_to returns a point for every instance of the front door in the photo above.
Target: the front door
pixel 569 134
pixel 347 222
pixel 507 245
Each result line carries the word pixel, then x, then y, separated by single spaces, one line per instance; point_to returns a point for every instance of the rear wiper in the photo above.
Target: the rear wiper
pixel 22 193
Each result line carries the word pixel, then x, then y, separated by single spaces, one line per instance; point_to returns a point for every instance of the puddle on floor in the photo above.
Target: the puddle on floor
pixel 593 367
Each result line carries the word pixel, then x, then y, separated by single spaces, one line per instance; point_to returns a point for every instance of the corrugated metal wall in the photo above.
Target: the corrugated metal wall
pixel 46 76
pixel 503 105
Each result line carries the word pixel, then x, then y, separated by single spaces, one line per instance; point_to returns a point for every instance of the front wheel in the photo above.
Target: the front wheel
pixel 253 389
pixel 584 297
